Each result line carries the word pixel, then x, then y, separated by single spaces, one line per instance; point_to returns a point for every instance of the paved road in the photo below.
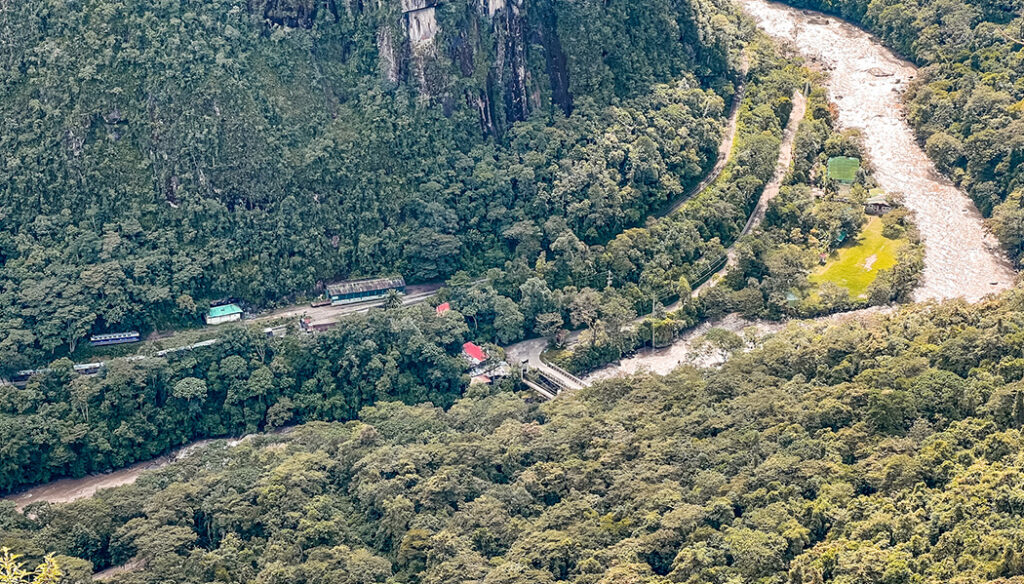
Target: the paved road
pixel 529 351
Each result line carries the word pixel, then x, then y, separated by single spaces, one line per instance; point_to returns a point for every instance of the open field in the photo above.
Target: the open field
pixel 856 265
pixel 866 81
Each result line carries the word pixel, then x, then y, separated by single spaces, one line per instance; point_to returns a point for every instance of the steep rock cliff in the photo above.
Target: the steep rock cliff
pixel 505 59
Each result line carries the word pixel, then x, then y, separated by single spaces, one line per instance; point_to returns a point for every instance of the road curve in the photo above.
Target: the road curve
pixel 866 82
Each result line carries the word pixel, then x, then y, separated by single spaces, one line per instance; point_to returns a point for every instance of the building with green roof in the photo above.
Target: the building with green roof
pixel 223 313
pixel 843 169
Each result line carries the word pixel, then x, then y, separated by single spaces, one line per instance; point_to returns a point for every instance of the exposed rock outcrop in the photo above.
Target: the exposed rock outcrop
pixel 503 59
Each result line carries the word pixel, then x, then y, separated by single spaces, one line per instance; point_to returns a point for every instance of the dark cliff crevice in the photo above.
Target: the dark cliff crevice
pixel 514 67
pixel 546 35
pixel 292 13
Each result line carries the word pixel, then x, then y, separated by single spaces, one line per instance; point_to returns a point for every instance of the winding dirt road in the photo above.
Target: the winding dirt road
pixel 725 146
pixel 866 81
pixel 770 191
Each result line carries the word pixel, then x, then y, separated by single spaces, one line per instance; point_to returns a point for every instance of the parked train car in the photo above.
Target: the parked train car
pixel 115 338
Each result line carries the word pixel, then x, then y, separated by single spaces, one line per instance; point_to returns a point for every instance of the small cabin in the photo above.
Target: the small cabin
pixel 877 204
pixel 443 308
pixel 317 326
pixel 222 314
pixel 351 291
pixel 114 339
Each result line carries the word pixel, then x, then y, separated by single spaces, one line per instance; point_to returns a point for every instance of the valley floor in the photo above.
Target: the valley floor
pixel 866 82
pixel 961 259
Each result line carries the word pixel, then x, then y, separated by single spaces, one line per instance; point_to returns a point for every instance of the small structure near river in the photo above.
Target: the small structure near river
pixel 877 203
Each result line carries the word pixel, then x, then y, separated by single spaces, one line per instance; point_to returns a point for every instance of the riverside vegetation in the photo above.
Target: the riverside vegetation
pixel 185 152
pixel 878 451
pixel 883 451
pixel 65 424
pixel 968 104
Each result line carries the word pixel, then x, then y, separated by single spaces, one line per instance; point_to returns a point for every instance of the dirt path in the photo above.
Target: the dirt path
pixel 961 258
pixel 866 82
pixel 725 147
pixel 770 191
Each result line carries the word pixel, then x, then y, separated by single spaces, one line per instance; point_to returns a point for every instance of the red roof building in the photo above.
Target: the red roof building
pixel 474 353
pixel 443 308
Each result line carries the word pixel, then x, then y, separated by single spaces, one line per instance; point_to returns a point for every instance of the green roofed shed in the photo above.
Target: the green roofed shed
pixel 843 169
pixel 223 313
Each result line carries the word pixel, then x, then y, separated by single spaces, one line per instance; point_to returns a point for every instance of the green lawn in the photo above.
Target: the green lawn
pixel 843 169
pixel 855 265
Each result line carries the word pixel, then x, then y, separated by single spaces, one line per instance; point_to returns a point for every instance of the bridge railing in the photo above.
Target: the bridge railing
pixel 563 371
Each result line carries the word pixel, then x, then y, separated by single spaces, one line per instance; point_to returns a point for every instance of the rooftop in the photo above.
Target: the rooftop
pixel 474 351
pixel 225 310
pixel 443 308
pixel 367 285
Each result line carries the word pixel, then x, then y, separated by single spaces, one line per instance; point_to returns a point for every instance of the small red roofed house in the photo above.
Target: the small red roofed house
pixel 474 353
pixel 443 308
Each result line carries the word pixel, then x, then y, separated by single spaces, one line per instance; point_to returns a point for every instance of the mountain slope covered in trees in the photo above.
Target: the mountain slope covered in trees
pixel 156 156
pixel 879 451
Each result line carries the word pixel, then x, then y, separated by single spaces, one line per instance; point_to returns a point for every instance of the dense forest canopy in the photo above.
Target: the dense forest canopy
pixel 160 155
pixel 884 450
pixel 66 424
pixel 634 153
pixel 63 423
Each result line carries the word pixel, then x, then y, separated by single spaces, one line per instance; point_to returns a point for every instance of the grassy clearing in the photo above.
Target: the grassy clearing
pixel 855 265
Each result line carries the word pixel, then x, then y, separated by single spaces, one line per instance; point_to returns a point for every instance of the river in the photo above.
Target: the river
pixel 67 490
pixel 866 82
